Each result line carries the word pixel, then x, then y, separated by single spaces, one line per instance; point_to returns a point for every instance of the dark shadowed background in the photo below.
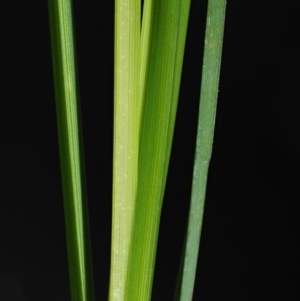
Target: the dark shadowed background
pixel 250 241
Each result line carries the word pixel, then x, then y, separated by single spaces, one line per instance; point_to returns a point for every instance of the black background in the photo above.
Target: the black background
pixel 250 242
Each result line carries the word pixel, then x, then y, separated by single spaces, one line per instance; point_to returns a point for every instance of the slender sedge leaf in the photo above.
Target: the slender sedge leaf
pixel 127 110
pixel 164 63
pixel 146 34
pixel 207 111
pixel 71 155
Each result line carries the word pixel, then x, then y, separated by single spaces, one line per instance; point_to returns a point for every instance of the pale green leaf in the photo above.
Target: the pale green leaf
pixel 207 111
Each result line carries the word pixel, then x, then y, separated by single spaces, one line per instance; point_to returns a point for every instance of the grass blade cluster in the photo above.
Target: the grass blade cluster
pixel 148 65
pixel 72 171
pixel 207 111
pixel 127 109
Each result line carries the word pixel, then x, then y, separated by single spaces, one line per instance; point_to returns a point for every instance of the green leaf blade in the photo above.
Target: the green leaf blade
pixel 164 58
pixel 127 109
pixel 206 120
pixel 71 152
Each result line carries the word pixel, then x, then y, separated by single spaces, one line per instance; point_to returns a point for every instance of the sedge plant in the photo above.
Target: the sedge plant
pixel 149 53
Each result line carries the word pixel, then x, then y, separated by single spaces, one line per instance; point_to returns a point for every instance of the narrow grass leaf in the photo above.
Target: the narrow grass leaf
pixel 207 110
pixel 146 34
pixel 164 56
pixel 71 154
pixel 127 110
